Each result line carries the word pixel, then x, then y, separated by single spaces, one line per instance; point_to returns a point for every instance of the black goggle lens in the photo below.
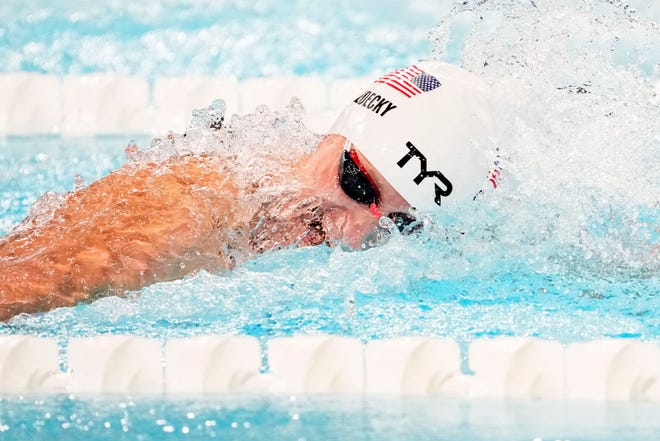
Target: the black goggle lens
pixel 358 187
pixel 354 183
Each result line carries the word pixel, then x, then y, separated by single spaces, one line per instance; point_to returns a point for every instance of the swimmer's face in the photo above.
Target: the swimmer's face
pixel 345 219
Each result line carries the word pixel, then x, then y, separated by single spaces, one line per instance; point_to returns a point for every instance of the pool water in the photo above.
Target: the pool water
pixel 324 418
pixel 567 248
pixel 437 283
pixel 235 38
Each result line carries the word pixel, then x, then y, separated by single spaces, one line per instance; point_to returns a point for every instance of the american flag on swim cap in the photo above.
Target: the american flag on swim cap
pixel 410 82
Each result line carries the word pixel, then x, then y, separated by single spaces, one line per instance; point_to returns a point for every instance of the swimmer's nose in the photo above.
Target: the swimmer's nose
pixel 405 223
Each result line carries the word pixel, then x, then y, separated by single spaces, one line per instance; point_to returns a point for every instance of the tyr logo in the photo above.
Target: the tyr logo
pixel 423 173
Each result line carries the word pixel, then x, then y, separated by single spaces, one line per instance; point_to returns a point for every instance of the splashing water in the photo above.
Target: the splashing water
pixel 258 148
pixel 567 246
pixel 259 152
pixel 573 91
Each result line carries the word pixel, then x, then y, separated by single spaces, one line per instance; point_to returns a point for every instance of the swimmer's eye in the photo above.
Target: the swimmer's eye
pixel 359 186
pixel 355 181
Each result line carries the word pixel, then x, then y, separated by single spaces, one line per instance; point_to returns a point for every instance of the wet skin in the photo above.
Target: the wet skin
pixel 160 222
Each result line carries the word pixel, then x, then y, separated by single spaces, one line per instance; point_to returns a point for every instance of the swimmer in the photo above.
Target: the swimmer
pixel 414 138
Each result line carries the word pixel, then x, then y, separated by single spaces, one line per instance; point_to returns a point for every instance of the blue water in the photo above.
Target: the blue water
pixel 441 282
pixel 566 249
pixel 324 418
pixel 230 38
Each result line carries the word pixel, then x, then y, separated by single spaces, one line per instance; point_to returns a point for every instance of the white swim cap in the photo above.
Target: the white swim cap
pixel 427 129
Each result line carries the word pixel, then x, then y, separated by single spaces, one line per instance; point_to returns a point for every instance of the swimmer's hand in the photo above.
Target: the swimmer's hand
pixel 137 226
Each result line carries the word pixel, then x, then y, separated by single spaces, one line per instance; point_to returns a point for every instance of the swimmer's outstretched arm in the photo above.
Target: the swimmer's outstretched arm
pixel 136 226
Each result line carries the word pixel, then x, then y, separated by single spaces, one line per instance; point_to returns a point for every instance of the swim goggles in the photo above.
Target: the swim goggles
pixel 359 186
